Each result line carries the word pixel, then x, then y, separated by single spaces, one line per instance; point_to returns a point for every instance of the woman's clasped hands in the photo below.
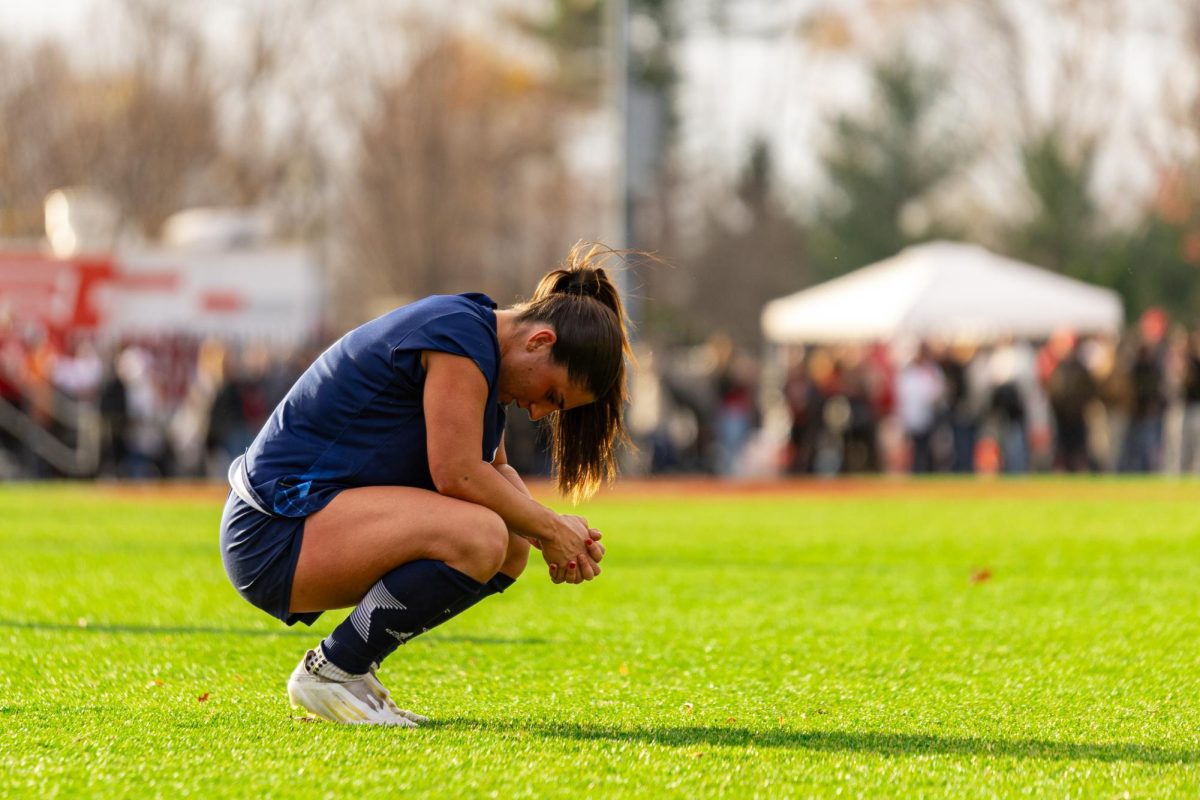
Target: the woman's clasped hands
pixel 574 552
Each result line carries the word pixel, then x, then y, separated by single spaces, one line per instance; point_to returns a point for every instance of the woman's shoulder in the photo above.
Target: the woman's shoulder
pixel 440 306
pixel 434 311
pixel 471 311
pixel 463 324
pixel 473 300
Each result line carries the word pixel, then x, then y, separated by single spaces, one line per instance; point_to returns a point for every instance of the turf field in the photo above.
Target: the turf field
pixel 935 639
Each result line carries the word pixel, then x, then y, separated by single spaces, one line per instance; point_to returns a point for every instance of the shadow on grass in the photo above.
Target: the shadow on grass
pixel 214 630
pixel 887 744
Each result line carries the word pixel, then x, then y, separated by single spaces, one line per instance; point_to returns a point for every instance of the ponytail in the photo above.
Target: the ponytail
pixel 583 305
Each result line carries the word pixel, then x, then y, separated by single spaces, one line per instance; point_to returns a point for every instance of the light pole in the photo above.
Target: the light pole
pixel 622 219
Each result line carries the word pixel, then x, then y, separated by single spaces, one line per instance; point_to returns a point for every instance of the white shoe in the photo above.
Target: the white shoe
pixel 383 694
pixel 357 701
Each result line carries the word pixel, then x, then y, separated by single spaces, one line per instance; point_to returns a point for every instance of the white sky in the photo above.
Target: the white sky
pixel 34 19
pixel 747 85
pixel 785 91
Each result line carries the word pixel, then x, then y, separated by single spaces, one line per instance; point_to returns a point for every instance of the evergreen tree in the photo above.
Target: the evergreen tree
pixel 878 164
pixel 1061 231
pixel 1148 262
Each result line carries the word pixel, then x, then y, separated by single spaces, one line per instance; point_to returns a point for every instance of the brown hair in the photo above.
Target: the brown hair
pixel 583 304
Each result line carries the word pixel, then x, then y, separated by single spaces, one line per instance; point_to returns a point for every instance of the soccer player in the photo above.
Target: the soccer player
pixel 380 481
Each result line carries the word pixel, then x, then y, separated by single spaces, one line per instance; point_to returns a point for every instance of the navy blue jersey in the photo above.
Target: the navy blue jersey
pixel 355 417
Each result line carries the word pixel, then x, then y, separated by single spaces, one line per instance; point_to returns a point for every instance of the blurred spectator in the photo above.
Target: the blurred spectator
pixel 1011 371
pixel 1189 451
pixel 737 409
pixel 262 387
pixel 1142 445
pixel 1072 391
pixel 12 362
pixel 919 392
pixel 41 352
pixel 860 440
pixel 229 418
pixel 279 372
pixel 827 373
pixel 187 430
pixel 75 376
pixel 689 381
pixel 645 418
pixel 835 419
pixel 804 402
pixel 966 400
pixel 1108 418
pixel 145 443
pixel 114 420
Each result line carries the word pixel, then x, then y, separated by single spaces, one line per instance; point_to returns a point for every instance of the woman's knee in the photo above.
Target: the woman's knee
pixel 482 550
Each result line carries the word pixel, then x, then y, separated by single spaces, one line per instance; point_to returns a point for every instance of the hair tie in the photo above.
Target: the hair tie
pixel 581 289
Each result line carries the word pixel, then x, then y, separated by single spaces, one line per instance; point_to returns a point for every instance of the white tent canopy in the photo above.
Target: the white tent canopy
pixel 943 290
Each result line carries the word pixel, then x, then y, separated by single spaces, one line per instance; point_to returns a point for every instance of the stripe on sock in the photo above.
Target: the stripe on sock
pixel 379 597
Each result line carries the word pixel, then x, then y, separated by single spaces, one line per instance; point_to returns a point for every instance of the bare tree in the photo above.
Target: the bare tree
pixel 460 183
pixel 36 152
pixel 142 133
pixel 170 121
pixel 754 257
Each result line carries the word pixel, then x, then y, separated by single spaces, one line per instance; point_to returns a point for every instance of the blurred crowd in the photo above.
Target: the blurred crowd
pixel 179 406
pixel 1071 404
pixel 162 406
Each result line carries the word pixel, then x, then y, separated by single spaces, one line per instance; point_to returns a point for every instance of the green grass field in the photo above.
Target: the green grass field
pixel 832 642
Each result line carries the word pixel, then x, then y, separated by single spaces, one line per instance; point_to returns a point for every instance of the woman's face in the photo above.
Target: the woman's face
pixel 535 382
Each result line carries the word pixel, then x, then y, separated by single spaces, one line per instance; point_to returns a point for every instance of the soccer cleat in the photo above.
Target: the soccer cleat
pixel 352 702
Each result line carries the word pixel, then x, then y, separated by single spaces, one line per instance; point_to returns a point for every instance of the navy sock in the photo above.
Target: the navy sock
pixel 405 603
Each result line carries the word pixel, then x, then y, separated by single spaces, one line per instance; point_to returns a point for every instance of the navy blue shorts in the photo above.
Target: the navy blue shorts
pixel 260 554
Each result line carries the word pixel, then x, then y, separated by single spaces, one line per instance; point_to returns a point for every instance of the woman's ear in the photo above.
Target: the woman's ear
pixel 542 337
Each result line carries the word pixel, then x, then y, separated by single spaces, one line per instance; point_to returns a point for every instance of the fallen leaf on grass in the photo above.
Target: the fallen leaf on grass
pixel 239 679
pixel 687 708
pixel 154 682
pixel 731 719
pixel 781 720
pixel 624 670
pixel 981 575
pixel 202 698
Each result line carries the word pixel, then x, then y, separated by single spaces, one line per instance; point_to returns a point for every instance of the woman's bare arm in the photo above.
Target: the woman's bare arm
pixel 454 402
pixel 595 549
